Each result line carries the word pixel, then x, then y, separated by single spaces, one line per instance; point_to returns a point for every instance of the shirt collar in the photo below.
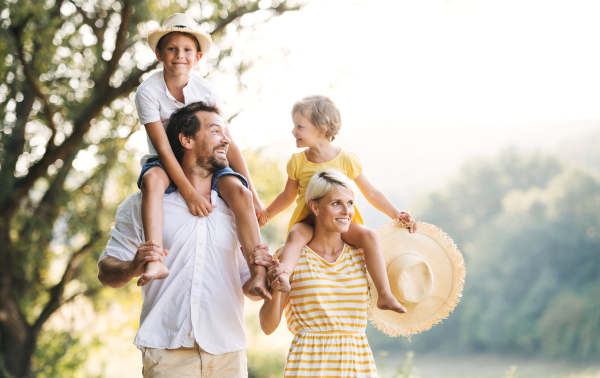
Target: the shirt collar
pixel 169 95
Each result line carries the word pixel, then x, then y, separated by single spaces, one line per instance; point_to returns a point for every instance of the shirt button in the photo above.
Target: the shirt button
pixel 196 284
pixel 194 302
pixel 200 244
pixel 198 264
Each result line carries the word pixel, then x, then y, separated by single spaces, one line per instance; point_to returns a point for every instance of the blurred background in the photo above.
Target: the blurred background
pixel 480 117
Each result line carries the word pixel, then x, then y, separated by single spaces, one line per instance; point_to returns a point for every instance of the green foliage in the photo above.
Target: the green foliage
pixel 269 181
pixel 63 355
pixel 68 74
pixel 529 229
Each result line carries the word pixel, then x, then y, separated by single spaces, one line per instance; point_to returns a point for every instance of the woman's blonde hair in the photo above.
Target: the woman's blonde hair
pixel 322 113
pixel 321 183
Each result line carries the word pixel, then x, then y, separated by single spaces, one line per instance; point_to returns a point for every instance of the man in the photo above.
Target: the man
pixel 192 322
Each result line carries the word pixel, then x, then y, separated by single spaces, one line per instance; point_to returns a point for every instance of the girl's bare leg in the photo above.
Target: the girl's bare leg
pixel 240 202
pixel 366 239
pixel 300 234
pixel 154 183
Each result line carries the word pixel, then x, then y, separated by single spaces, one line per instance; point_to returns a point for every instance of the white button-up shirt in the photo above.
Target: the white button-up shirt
pixel 202 298
pixel 154 102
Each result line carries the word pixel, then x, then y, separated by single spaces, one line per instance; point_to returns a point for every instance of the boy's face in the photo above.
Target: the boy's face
pixel 178 53
pixel 306 133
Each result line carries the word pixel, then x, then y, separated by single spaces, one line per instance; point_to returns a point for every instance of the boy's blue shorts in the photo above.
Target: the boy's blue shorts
pixel 173 187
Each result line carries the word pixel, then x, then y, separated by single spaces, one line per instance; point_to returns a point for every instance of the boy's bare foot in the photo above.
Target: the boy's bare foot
pixel 389 302
pixel 282 283
pixel 154 270
pixel 258 287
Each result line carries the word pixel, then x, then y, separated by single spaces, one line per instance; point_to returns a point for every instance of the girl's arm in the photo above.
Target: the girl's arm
pixel 376 197
pixel 382 203
pixel 238 164
pixel 283 200
pixel 198 204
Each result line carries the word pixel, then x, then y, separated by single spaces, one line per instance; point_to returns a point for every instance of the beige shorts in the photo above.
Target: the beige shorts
pixel 193 362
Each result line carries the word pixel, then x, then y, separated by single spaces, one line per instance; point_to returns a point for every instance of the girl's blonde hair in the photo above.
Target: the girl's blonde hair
pixel 322 113
pixel 321 183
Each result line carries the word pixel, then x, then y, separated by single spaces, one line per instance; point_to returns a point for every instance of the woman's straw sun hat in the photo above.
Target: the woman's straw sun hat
pixel 179 22
pixel 426 273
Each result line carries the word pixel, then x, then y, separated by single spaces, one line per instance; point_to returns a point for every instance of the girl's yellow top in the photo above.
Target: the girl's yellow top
pixel 302 170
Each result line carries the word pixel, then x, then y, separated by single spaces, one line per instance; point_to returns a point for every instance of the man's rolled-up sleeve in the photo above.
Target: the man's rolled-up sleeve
pixel 127 233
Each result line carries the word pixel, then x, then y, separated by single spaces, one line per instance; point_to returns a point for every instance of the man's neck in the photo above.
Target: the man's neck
pixel 199 178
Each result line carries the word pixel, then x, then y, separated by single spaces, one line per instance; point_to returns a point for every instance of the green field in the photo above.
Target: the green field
pixel 486 367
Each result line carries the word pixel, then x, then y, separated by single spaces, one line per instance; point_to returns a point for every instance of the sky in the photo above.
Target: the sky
pixel 424 86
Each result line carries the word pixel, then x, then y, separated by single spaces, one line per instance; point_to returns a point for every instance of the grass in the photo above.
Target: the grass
pixel 411 366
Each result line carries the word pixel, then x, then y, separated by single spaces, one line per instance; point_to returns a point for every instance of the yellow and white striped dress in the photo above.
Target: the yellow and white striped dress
pixel 327 311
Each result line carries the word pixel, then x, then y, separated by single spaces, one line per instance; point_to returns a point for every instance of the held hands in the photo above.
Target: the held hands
pixel 279 276
pixel 261 212
pixel 406 220
pixel 261 256
pixel 198 204
pixel 146 252
pixel 262 218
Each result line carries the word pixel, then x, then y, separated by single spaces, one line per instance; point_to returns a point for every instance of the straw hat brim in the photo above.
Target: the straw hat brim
pixel 203 39
pixel 448 268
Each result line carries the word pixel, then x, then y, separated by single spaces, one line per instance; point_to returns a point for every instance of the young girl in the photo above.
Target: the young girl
pixel 316 123
pixel 179 45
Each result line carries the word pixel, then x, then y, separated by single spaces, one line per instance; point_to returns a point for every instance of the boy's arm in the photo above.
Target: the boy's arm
pixel 238 164
pixel 380 201
pixel 283 200
pixel 156 132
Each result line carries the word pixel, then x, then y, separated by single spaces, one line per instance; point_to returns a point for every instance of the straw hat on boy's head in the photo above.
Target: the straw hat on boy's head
pixel 426 273
pixel 179 22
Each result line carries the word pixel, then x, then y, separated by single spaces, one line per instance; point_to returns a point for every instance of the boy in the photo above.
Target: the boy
pixel 179 45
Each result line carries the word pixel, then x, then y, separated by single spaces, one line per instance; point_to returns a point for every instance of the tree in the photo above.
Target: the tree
pixel 527 225
pixel 69 72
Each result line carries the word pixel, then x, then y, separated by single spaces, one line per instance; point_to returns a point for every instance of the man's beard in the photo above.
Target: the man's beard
pixel 213 162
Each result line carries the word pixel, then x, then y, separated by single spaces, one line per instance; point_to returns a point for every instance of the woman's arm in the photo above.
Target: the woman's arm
pixel 156 132
pixel 284 199
pixel 271 311
pixel 376 197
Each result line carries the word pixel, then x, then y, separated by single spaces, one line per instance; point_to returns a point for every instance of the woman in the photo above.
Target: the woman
pixel 326 308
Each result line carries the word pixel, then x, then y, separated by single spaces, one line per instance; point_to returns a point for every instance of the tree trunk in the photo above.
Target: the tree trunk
pixel 17 344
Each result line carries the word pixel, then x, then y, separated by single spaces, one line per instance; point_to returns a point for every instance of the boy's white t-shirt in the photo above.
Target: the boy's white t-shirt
pixel 154 102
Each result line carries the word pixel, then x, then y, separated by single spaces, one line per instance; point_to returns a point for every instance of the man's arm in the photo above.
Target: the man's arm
pixel 116 273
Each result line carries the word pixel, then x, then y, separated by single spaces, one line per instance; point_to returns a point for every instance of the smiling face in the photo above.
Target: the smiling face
pixel 210 144
pixel 178 52
pixel 334 211
pixel 306 133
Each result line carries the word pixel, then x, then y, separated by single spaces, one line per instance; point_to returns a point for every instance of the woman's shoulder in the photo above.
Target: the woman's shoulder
pixel 355 251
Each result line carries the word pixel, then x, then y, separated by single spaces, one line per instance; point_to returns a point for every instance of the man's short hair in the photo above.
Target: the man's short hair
pixel 184 121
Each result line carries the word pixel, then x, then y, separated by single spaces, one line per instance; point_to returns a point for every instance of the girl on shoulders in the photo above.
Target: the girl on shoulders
pixel 316 123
